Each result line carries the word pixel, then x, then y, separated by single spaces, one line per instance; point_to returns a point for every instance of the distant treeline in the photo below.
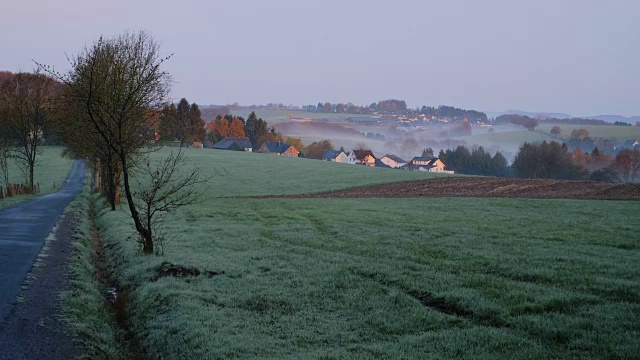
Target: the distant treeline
pixel 383 106
pixel 531 123
pixel 399 107
pixel 547 160
pixel 453 113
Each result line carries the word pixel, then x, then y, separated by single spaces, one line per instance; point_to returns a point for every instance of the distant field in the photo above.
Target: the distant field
pixel 235 173
pixel 616 133
pixel 51 172
pixel 365 278
pixel 282 115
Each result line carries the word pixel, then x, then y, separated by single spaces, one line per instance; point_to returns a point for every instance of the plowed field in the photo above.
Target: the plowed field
pixel 489 187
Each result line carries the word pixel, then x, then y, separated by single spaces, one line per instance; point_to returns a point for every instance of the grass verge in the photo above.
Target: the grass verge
pixel 85 304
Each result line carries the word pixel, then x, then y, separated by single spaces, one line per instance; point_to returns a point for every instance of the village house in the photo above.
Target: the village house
pixel 364 157
pixel 430 164
pixel 279 148
pixel 335 156
pixel 393 161
pixel 235 144
pixel 351 158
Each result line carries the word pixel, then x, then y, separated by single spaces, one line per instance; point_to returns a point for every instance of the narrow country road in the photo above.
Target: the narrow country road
pixel 23 229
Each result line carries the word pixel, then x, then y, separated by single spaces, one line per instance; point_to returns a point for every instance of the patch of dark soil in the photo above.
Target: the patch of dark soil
pixel 442 305
pixel 169 269
pixel 487 187
pixel 211 274
pixel 180 271
pixel 449 307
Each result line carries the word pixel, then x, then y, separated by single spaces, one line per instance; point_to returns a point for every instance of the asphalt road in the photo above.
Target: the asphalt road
pixel 23 229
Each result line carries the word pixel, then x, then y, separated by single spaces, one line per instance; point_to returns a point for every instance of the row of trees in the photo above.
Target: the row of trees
pixel 475 162
pixel 545 160
pixel 553 160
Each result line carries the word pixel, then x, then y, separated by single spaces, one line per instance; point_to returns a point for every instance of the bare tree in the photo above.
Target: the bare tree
pixel 121 87
pixel 163 187
pixel 25 101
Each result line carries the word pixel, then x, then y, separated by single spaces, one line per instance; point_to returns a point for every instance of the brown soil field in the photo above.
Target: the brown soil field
pixel 488 187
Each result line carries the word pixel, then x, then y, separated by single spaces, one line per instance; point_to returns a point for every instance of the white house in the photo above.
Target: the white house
pixel 351 158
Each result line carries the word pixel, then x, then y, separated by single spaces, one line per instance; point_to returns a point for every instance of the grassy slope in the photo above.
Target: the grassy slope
pixel 51 171
pixel 231 173
pixel 339 278
pixel 617 134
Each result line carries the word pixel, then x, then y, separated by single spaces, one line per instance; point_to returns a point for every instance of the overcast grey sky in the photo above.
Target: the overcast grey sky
pixel 576 56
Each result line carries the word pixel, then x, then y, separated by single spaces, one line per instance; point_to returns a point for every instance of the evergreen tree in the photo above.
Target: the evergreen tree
pixel 195 131
pixel 168 126
pixel 427 152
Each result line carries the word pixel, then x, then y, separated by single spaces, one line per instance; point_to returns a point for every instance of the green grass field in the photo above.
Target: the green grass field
pixel 380 278
pixel 51 171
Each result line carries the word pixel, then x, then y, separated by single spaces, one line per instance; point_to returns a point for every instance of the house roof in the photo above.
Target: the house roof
pixel 332 154
pixel 431 161
pixel 395 158
pixel 424 158
pixel 228 143
pixel 379 163
pixel 276 146
pixel 361 154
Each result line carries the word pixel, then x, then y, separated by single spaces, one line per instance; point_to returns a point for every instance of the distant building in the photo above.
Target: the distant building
pixel 335 156
pixel 279 148
pixel 365 157
pixel 430 164
pixel 381 164
pixel 393 161
pixel 235 144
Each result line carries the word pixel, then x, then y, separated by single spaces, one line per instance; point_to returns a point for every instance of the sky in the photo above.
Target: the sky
pixel 580 57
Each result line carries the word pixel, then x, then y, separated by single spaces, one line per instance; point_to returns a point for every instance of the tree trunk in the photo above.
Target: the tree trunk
pixel 31 189
pixel 147 239
pixel 110 186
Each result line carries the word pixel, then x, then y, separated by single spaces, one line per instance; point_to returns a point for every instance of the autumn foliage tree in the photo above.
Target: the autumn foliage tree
pixel 227 126
pixel 316 150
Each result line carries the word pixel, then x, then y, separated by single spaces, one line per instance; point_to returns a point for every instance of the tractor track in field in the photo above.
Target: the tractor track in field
pixel 485 187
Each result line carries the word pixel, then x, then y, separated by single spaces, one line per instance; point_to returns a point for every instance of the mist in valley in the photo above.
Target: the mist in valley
pixel 405 142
